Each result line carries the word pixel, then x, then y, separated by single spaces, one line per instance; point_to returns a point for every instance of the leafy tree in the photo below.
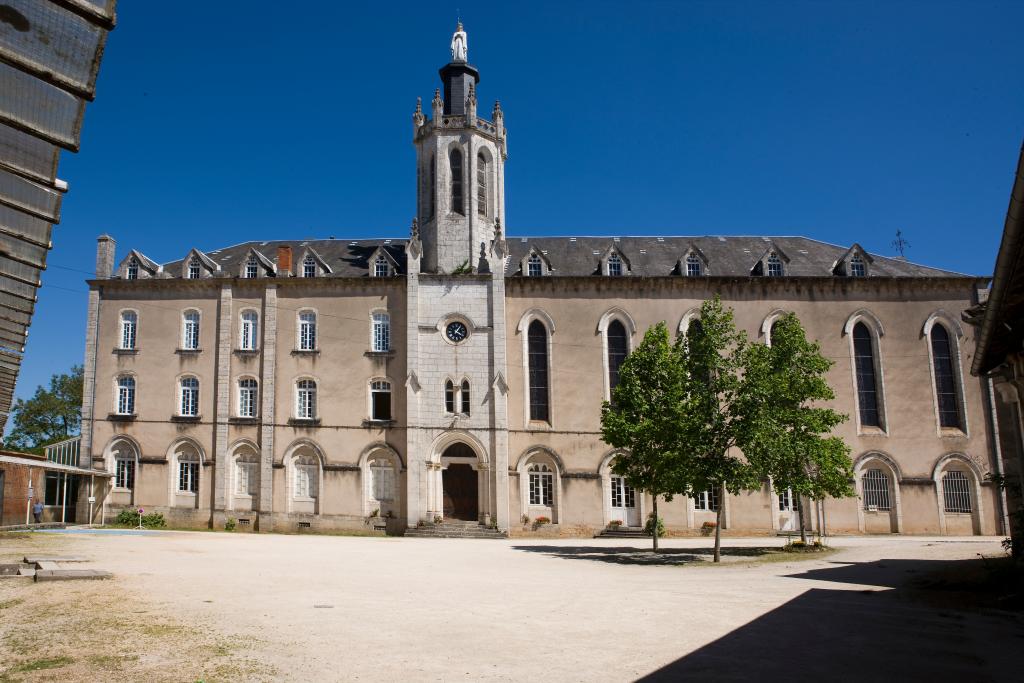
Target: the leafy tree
pixel 716 412
pixel 790 442
pixel 642 418
pixel 51 415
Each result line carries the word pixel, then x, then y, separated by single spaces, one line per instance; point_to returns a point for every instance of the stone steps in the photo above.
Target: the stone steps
pixel 623 532
pixel 454 529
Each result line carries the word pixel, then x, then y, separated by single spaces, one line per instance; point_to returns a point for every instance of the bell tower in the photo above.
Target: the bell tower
pixel 460 163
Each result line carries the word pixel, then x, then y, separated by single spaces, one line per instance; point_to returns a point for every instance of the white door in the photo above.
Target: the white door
pixel 788 515
pixel 624 503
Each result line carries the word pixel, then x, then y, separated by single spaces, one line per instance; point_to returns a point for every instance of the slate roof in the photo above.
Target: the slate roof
pixel 729 256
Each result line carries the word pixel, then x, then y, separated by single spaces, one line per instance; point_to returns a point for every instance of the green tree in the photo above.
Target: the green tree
pixel 642 418
pixel 716 412
pixel 50 415
pixel 791 441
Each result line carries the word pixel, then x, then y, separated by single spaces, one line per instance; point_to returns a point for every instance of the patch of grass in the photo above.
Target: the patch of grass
pixel 112 661
pixel 41 664
pixel 11 603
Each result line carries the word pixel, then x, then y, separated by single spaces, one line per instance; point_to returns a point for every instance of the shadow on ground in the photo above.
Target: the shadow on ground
pixel 866 634
pixel 642 556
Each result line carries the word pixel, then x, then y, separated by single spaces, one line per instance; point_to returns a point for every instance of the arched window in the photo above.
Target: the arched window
pixel 693 265
pixel 381 267
pixel 774 263
pixel 252 267
pixel 248 330
pixel 481 184
pixel 309 266
pixel 455 162
pixel 305 474
pixel 858 268
pixel 864 363
pixel 380 400
pixel 956 491
pixel 307 331
pixel 382 481
pixel 194 268
pixel 381 332
pixel 465 397
pixel 533 266
pixel 945 379
pixel 132 271
pixel 248 396
pixel 129 329
pixel 542 485
pixel 189 397
pixel 875 484
pixel 126 395
pixel 615 265
pixel 537 344
pixel 188 471
pixel 618 349
pixel 305 399
pixel 247 476
pixel 449 397
pixel 124 467
pixel 190 331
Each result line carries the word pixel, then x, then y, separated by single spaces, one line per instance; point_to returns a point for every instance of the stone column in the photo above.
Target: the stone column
pixel 267 417
pixel 221 461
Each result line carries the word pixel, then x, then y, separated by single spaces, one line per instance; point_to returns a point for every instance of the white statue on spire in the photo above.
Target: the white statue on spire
pixel 460 46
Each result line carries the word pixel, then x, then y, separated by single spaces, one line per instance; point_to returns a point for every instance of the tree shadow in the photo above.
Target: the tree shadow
pixel 640 556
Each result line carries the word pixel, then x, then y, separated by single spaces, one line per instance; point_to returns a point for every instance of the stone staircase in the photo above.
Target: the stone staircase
pixel 622 532
pixel 454 528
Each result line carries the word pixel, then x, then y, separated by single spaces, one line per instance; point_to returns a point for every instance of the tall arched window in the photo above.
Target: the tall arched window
pixel 449 396
pixel 867 390
pixel 129 329
pixel 188 471
pixel 381 332
pixel 248 394
pixel 455 162
pixel 189 397
pixel 307 331
pixel 190 330
pixel 305 399
pixel 465 397
pixel 248 330
pixel 305 473
pixel 309 266
pixel 194 268
pixel 618 348
pixel 126 395
pixel 132 271
pixel 537 344
pixel 481 184
pixel 381 267
pixel 124 469
pixel 945 379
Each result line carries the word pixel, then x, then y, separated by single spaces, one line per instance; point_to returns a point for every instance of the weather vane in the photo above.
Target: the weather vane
pixel 900 243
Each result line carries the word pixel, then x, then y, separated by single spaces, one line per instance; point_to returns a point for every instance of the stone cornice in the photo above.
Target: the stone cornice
pixel 214 285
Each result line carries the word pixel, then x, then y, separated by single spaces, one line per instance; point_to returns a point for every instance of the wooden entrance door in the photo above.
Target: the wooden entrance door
pixel 624 502
pixel 460 492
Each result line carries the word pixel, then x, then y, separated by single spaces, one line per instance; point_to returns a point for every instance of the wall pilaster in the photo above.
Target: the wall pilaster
pixel 268 393
pixel 223 398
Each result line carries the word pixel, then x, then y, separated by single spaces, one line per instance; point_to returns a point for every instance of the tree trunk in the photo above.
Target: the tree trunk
pixel 655 525
pixel 800 512
pixel 718 523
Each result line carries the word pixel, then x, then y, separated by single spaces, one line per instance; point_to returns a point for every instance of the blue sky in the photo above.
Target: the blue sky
pixel 839 121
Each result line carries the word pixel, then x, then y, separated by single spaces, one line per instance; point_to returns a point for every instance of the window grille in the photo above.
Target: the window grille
pixel 618 349
pixel 541 485
pixel 124 473
pixel 248 390
pixel 481 184
pixel 380 400
pixel 623 495
pixel 455 162
pixel 774 265
pixel 382 481
pixel 875 484
pixel 864 362
pixel 693 266
pixel 252 267
pixel 533 266
pixel 309 266
pixel 537 351
pixel 945 379
pixel 706 500
pixel 956 489
pixel 126 396
pixel 188 474
pixel 614 265
pixel 381 267
pixel 305 399
pixel 194 268
pixel 307 331
pixel 449 397
pixel 381 332
pixel 189 396
pixel 464 397
pixel 305 473
pixel 857 266
pixel 246 476
pixel 248 331
pixel 132 271
pixel 129 327
pixel 190 331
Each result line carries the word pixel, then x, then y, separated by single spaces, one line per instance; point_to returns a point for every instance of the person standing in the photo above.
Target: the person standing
pixel 37 511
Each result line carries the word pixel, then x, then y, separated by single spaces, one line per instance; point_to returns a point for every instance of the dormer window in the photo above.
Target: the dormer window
pixel 534 267
pixel 132 271
pixel 309 266
pixel 693 266
pixel 252 268
pixel 857 266
pixel 381 267
pixel 615 265
pixel 774 265
pixel 194 270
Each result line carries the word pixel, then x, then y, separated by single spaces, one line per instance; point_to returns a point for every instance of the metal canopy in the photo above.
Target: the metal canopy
pixel 50 52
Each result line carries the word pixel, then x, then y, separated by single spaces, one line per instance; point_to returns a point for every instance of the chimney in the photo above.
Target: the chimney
pixel 106 246
pixel 284 261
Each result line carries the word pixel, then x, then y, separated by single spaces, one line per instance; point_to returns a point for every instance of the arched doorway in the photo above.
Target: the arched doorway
pixel 460 484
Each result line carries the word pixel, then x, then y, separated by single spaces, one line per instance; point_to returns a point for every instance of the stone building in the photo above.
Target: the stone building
pixel 458 372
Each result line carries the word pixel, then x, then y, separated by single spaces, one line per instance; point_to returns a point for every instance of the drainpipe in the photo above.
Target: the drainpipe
pixel 28 503
pixel 64 501
pixel 997 453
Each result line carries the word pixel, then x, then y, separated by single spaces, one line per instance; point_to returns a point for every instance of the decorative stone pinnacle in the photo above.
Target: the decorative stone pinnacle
pixel 437 97
pixel 497 228
pixel 419 105
pixel 415 229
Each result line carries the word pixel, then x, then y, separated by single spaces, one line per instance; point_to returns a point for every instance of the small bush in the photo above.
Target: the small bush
pixel 707 528
pixel 130 517
pixel 615 524
pixel 525 519
pixel 801 547
pixel 230 524
pixel 654 524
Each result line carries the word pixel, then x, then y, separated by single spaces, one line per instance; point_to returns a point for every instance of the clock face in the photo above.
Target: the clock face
pixel 456 331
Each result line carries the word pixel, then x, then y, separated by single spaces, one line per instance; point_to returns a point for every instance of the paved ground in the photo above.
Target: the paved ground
pixel 318 608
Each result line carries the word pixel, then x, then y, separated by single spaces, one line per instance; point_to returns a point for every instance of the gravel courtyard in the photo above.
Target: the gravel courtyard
pixel 217 606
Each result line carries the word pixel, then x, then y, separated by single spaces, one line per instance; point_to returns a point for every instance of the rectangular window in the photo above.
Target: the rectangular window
pixel 124 475
pixel 692 266
pixel 956 489
pixel 190 332
pixel 541 488
pixel 307 331
pixel 381 332
pixel 623 495
pixel 54 488
pixel 126 396
pixel 309 267
pixel 305 396
pixel 876 490
pixel 380 397
pixel 248 331
pixel 383 487
pixel 534 267
pixel 706 500
pixel 785 500
pixel 190 397
pixel 245 478
pixel 188 477
pixel 305 481
pixel 247 391
pixel 128 330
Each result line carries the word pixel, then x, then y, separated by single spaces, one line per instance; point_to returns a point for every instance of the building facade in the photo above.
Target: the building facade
pixel 459 372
